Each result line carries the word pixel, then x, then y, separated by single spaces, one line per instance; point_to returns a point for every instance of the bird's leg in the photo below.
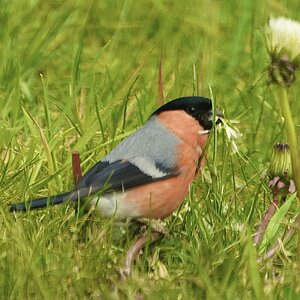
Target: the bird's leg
pixel 155 225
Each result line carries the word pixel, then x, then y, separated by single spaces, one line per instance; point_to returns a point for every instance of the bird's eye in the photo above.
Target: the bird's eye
pixel 191 109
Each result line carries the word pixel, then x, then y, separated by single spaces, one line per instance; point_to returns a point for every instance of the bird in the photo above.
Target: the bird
pixel 149 173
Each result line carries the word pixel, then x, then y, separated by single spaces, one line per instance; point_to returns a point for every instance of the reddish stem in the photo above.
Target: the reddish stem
pixel 265 221
pixel 286 237
pixel 135 249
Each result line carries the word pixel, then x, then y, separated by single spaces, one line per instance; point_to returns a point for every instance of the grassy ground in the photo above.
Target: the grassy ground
pixel 82 75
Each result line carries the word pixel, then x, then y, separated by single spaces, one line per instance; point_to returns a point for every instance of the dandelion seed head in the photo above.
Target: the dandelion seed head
pixel 283 43
pixel 284 37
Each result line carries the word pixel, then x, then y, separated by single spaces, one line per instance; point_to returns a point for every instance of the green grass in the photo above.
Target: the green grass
pixel 82 75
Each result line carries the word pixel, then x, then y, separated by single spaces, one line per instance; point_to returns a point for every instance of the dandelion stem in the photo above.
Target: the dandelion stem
pixel 292 140
pixel 291 135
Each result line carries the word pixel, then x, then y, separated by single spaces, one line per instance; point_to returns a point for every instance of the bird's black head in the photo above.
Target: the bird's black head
pixel 198 107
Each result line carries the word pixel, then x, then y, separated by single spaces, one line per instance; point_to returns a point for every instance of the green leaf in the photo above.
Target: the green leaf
pixel 275 222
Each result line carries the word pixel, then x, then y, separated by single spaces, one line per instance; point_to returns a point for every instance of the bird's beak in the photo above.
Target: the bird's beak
pixel 219 116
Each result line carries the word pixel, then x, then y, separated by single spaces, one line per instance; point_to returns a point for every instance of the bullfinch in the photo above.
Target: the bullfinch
pixel 149 173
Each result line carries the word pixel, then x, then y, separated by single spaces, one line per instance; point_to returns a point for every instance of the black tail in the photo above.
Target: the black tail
pixel 43 202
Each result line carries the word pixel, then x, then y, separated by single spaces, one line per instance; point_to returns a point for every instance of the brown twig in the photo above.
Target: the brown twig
pixel 77 174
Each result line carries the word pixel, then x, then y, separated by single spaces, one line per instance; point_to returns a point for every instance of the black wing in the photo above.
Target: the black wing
pixel 106 176
pixel 118 175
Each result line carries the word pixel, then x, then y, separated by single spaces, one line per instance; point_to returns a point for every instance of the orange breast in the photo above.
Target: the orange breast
pixel 161 198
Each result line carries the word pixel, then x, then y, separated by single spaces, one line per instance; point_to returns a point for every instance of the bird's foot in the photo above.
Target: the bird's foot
pixel 154 225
